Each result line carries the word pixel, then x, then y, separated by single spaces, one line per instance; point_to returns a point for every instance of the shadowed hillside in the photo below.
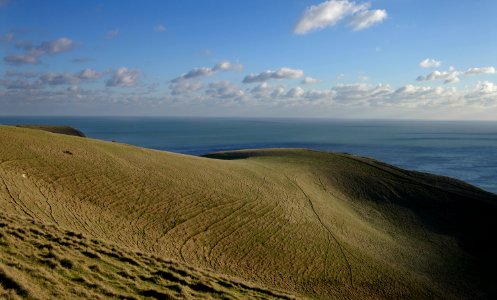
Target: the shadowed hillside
pixel 314 224
pixel 68 130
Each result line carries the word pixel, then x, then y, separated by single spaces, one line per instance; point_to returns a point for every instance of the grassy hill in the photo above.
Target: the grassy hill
pixel 312 224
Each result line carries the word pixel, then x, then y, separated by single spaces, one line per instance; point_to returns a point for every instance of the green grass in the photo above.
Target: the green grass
pixel 41 261
pixel 312 224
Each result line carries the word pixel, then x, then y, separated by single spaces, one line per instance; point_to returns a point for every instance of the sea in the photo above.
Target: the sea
pixel 466 150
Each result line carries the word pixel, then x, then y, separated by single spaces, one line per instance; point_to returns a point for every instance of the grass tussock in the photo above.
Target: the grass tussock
pixel 12 284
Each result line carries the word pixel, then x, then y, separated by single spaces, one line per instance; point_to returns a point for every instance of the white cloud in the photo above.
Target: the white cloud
pixel 224 90
pixel 485 88
pixel 206 52
pixel 8 37
pixel 58 79
pixel 368 18
pixel 123 77
pixel 411 90
pixel 430 63
pixel 360 92
pixel 53 78
pixel 326 14
pixel 282 73
pixel 417 97
pixel 204 71
pixel 299 96
pixel 35 52
pixel 89 74
pixel 26 45
pixel 197 72
pixel 183 87
pixel 484 95
pixel 295 92
pixel 323 95
pixel 228 66
pixel 21 84
pixel 453 78
pixel 56 46
pixel 262 90
pixel 159 28
pixel 21 59
pixel 294 96
pixel 112 34
pixel 476 71
pixel 73 89
pixel 329 13
pixel 278 92
pixel 40 79
pixel 309 80
pixel 450 76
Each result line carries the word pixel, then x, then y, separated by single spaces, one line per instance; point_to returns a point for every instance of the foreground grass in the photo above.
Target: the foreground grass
pixel 40 261
pixel 314 224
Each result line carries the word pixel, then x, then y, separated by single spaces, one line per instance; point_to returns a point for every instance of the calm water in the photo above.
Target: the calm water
pixel 464 150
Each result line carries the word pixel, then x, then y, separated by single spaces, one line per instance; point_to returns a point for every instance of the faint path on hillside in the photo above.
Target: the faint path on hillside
pixel 294 181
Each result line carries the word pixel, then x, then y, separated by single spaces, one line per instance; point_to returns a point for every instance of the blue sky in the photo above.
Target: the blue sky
pixel 296 58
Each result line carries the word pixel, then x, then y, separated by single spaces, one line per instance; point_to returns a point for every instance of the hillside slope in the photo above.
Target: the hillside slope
pixel 41 261
pixel 317 225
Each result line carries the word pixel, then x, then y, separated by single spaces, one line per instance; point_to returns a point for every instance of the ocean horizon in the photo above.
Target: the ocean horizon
pixel 466 150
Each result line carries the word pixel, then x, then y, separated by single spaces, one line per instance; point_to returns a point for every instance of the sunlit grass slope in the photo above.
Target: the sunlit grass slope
pixel 41 261
pixel 313 224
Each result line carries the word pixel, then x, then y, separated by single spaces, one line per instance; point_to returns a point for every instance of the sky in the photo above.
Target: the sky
pixel 383 59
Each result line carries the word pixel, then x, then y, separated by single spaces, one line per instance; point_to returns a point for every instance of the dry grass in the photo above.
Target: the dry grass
pixel 314 224
pixel 40 261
